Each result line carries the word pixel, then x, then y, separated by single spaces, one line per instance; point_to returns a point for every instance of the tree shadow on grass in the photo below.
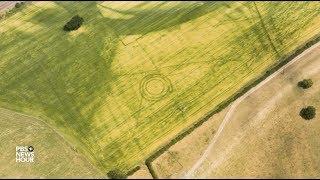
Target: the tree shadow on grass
pixel 156 19
pixel 68 77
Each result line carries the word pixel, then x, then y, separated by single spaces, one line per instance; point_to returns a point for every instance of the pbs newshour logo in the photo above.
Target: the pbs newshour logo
pixel 25 154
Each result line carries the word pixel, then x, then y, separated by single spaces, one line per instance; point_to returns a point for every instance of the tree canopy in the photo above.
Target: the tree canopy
pixel 116 174
pixel 308 112
pixel 18 5
pixel 73 24
pixel 305 84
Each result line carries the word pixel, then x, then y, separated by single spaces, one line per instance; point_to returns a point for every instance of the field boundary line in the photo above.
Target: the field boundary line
pixel 266 31
pixel 55 131
pixel 284 60
pixel 237 102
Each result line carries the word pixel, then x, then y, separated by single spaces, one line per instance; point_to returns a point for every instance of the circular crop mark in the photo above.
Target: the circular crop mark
pixel 155 86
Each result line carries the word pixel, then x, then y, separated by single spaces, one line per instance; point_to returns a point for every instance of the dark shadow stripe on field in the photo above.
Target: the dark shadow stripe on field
pixel 52 74
pixel 155 19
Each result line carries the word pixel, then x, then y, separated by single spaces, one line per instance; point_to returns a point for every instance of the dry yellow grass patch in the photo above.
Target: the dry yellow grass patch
pixel 266 137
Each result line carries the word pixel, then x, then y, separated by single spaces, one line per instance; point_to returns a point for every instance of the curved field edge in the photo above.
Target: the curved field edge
pixel 54 156
pixel 110 140
pixel 266 130
pixel 223 105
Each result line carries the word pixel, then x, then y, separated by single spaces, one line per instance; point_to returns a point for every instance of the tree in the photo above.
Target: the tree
pixel 73 24
pixel 308 113
pixel 18 5
pixel 305 84
pixel 116 174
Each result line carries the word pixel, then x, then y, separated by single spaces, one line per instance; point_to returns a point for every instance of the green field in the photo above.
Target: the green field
pixel 137 73
pixel 54 157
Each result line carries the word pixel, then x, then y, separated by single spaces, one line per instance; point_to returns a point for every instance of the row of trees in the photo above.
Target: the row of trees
pixel 19 4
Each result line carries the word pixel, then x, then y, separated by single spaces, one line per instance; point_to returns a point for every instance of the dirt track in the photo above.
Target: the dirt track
pixel 7 4
pixel 235 105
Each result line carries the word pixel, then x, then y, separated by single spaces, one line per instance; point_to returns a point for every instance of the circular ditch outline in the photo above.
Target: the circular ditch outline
pixel 146 83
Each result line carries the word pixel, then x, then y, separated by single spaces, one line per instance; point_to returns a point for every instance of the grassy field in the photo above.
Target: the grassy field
pixel 178 159
pixel 54 157
pixel 137 73
pixel 268 134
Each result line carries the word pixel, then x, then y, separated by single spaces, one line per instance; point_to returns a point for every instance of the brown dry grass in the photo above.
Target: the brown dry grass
pixel 180 157
pixel 142 173
pixel 266 137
